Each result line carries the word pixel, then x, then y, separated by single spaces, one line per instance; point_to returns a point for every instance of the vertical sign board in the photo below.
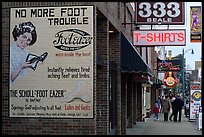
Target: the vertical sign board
pixel 53 76
pixel 195 103
pixel 195 24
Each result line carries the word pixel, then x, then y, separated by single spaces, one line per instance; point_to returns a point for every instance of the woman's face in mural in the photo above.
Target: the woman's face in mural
pixel 24 40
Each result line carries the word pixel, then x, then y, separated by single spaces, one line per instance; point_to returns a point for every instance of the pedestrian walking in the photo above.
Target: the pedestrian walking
pixel 172 99
pixel 158 101
pixel 156 111
pixel 178 108
pixel 161 100
pixel 166 107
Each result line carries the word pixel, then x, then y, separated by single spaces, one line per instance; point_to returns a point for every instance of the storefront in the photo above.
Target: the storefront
pixel 136 75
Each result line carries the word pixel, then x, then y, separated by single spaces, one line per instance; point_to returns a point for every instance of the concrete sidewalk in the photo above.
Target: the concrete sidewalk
pixel 161 127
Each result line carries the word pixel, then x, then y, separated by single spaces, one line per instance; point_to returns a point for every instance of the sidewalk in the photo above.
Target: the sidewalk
pixel 161 127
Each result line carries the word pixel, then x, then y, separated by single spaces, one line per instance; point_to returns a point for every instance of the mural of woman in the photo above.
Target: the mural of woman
pixel 24 35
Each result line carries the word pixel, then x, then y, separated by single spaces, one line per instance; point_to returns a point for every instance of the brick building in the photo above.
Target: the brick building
pixel 124 81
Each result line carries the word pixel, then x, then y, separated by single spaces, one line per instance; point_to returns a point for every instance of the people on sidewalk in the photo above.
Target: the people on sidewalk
pixel 161 100
pixel 178 108
pixel 172 99
pixel 156 111
pixel 166 107
pixel 158 101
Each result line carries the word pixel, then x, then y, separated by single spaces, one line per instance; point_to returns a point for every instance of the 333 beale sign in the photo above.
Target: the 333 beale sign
pixel 160 13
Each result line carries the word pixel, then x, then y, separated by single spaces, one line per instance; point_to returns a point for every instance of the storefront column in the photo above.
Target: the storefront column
pixel 130 101
pixel 102 86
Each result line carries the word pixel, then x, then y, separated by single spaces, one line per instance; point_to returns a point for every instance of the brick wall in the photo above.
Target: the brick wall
pixel 115 57
pixel 102 101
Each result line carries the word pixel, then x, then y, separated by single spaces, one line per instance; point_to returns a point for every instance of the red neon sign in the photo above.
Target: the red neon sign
pixel 159 37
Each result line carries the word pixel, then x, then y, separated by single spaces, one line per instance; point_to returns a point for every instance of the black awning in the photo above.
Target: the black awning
pixel 131 61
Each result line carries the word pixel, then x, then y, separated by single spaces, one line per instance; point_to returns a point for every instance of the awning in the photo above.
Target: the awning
pixel 131 61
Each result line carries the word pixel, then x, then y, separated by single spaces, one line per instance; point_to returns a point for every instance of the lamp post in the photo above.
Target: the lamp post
pixel 183 73
pixel 183 81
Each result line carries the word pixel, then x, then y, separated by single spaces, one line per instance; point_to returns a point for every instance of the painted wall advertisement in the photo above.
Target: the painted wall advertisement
pixel 195 24
pixel 195 103
pixel 51 62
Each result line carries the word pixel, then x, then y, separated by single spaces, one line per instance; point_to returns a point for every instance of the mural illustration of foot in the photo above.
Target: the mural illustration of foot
pixel 79 93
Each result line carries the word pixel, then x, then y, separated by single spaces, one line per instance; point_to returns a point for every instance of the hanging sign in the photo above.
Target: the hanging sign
pixel 173 37
pixel 168 65
pixel 195 23
pixel 168 13
pixel 170 79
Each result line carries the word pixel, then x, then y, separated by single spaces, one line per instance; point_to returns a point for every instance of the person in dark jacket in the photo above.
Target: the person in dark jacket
pixel 158 101
pixel 181 104
pixel 172 99
pixel 161 107
pixel 178 108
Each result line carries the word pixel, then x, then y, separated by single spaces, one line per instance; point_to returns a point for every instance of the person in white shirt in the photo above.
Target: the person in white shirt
pixel 24 35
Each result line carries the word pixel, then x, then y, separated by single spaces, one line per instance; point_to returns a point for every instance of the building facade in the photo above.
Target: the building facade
pixel 124 81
